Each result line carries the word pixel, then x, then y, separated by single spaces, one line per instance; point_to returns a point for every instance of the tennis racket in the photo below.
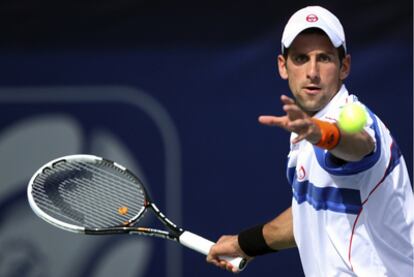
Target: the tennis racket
pixel 91 195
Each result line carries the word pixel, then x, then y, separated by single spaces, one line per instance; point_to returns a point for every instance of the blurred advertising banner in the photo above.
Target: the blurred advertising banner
pixel 120 123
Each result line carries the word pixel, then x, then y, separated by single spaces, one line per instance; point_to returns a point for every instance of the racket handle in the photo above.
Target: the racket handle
pixel 203 246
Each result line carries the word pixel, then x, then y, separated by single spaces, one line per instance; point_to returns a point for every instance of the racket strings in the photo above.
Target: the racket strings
pixel 78 203
pixel 68 214
pixel 125 191
pixel 128 190
pixel 70 206
pixel 108 195
pixel 89 194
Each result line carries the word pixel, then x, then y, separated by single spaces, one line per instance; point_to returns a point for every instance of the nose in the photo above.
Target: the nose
pixel 313 70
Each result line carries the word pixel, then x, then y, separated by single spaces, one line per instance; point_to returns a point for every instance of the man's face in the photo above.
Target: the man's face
pixel 313 71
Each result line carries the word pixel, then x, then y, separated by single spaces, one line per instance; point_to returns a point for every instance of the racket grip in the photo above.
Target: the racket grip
pixel 203 246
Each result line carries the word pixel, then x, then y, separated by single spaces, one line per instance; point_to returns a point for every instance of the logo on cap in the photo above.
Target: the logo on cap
pixel 312 18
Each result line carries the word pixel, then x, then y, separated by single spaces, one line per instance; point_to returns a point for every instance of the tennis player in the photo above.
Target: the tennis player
pixel 352 211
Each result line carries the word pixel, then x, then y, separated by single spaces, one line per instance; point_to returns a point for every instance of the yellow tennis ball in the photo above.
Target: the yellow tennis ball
pixel 352 118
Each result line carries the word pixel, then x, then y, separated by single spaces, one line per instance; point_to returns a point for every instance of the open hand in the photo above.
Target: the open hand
pixel 295 120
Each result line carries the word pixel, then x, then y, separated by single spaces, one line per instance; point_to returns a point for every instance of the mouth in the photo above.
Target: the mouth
pixel 312 90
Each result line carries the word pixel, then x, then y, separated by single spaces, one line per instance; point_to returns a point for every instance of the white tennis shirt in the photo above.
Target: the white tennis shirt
pixel 355 218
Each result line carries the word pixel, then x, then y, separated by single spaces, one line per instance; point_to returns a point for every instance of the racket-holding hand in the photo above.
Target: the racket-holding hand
pixel 295 120
pixel 226 246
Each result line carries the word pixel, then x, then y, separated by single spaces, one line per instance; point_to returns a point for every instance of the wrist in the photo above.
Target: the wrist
pixel 252 242
pixel 329 134
pixel 315 135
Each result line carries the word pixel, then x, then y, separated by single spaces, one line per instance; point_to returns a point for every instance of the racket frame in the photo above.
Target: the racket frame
pixel 174 232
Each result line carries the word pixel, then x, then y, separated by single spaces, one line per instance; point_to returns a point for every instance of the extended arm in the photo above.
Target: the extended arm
pixel 351 147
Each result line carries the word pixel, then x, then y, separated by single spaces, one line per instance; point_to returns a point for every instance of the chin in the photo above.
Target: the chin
pixel 310 108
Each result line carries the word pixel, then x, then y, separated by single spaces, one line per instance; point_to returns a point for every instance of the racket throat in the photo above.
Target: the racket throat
pixel 175 231
pixel 154 233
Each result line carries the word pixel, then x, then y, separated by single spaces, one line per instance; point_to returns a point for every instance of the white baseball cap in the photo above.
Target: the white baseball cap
pixel 314 17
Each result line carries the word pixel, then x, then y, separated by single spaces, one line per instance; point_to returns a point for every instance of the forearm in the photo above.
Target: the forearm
pixel 278 233
pixel 274 235
pixel 353 147
pixel 350 147
pixel 270 237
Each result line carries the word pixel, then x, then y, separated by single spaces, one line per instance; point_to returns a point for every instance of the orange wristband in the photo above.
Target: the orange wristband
pixel 330 134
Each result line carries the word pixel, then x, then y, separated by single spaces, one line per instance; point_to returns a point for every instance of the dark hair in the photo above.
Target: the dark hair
pixel 341 49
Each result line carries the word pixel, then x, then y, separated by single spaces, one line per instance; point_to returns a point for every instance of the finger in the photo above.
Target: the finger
pixel 211 259
pixel 212 256
pixel 269 120
pixel 299 138
pixel 229 267
pixel 302 128
pixel 286 100
pixel 224 265
pixel 214 262
pixel 235 270
pixel 293 111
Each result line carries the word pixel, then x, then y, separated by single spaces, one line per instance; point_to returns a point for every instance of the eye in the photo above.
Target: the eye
pixel 324 58
pixel 300 58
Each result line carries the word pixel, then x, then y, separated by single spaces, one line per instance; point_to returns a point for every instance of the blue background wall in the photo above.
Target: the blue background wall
pixel 212 69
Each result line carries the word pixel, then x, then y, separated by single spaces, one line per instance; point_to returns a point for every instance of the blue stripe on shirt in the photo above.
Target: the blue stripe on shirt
pixel 290 174
pixel 395 158
pixel 340 200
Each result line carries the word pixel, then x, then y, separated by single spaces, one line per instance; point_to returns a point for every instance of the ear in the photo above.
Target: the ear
pixel 282 63
pixel 345 68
